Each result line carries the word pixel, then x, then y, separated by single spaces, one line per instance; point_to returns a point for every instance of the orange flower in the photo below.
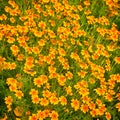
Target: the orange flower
pixel 86 99
pixel 12 66
pixel 82 74
pixel 108 115
pixel 117 60
pixel 35 99
pixel 94 112
pixel 66 66
pixel 61 59
pixel 54 100
pixel 84 108
pixel 53 75
pixel 19 94
pixel 61 80
pixel 14 49
pixel 61 51
pixel 54 115
pixel 38 82
pixel 41 43
pixel 46 111
pixel 42 25
pixel 69 90
pixel 69 75
pixel 118 106
pixel 35 50
pixel 11 40
pixel 46 93
pixel 41 115
pixel 33 117
pixel 44 78
pixel 86 3
pixel 44 102
pixel 51 34
pixel 8 100
pixel 33 92
pixel 75 104
pixel 12 20
pixel 11 81
pixel 91 105
pixel 63 100
pixel 20 57
pixel 13 87
pixel 101 110
pixel 51 69
pixel 109 97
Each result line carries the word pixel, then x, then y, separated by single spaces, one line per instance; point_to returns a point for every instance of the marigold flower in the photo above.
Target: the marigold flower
pixel 54 115
pixel 61 51
pixel 11 40
pixel 19 94
pixel 61 80
pixel 84 108
pixel 33 117
pixel 91 105
pixel 54 100
pixel 117 60
pixel 13 87
pixel 12 66
pixel 42 25
pixel 46 93
pixel 44 102
pixel 63 100
pixel 69 90
pixel 40 115
pixel 94 112
pixel 8 100
pixel 35 99
pixel 69 75
pixel 11 81
pixel 41 43
pixel 46 112
pixel 75 104
pixel 33 92
pixel 38 82
pixel 108 115
pixel 20 57
pixel 118 106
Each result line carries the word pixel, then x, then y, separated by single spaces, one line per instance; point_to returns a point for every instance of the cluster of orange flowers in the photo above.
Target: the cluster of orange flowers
pixel 61 65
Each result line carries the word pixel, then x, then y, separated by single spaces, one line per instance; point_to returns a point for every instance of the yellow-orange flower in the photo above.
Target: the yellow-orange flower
pixel 38 82
pixel 33 92
pixel 63 100
pixel 54 115
pixel 19 94
pixel 8 100
pixel 44 102
pixel 117 60
pixel 84 108
pixel 35 99
pixel 61 80
pixel 118 106
pixel 54 100
pixel 108 115
pixel 75 104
